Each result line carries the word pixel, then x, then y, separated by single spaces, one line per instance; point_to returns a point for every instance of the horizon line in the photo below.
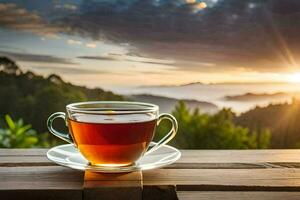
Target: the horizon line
pixel 220 83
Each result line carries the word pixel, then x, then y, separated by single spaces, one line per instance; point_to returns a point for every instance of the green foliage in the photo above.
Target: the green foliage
pixel 203 131
pixel 9 66
pixel 17 134
pixel 33 98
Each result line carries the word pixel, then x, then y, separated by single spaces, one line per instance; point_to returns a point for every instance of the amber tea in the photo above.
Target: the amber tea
pixel 111 141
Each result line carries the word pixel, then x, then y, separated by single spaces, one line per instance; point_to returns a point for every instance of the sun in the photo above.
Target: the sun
pixel 295 78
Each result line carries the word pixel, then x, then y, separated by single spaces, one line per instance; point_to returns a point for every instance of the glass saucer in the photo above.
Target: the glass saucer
pixel 68 155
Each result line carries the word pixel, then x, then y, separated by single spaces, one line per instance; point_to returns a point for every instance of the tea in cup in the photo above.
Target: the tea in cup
pixel 112 133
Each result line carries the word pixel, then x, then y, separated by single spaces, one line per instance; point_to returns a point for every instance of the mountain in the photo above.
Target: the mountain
pixel 215 93
pixel 192 83
pixel 167 104
pixel 259 97
pixel 216 83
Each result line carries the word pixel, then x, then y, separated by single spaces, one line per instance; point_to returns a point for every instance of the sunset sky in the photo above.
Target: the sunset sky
pixel 110 43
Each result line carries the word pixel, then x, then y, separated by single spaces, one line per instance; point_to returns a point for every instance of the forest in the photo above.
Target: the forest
pixel 283 121
pixel 27 100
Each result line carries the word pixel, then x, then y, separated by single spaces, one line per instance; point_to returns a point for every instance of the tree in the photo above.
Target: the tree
pixel 203 131
pixel 281 119
pixel 9 66
pixel 55 79
pixel 52 99
pixel 33 98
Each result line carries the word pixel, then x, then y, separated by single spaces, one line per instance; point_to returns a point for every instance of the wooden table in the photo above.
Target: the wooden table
pixel 199 174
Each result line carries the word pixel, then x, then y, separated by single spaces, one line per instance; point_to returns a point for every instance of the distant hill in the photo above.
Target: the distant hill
pixel 167 104
pixel 192 83
pixel 259 97
pixel 197 83
pixel 246 95
pixel 33 97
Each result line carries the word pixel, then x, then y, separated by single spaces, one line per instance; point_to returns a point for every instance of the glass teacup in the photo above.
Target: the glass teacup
pixel 112 133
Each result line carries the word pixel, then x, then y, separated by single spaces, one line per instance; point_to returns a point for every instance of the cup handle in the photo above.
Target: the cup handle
pixel 63 136
pixel 169 136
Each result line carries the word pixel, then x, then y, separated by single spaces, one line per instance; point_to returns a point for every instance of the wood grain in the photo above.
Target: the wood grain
pixel 132 176
pixel 191 159
pixel 40 183
pixel 224 165
pixel 23 152
pixel 159 192
pixel 40 178
pixel 240 156
pixel 283 179
pixel 199 174
pixel 195 195
pixel 52 194
pixel 113 186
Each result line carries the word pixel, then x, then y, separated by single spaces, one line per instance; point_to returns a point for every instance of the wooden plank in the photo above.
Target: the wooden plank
pixel 195 195
pixel 24 157
pixel 225 165
pixel 158 192
pixel 191 159
pixel 237 159
pixel 199 156
pixel 23 152
pixel 273 179
pixel 201 170
pixel 204 156
pixel 15 161
pixel 40 183
pixel 41 194
pixel 240 156
pixel 27 178
pixel 132 176
pixel 113 186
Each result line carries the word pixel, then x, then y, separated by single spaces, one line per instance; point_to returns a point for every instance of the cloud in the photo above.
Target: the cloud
pixel 257 35
pixel 68 70
pixel 91 45
pixel 70 7
pixel 254 35
pixel 74 42
pixel 26 57
pixel 129 58
pixel 18 18
pixel 10 48
pixel 78 42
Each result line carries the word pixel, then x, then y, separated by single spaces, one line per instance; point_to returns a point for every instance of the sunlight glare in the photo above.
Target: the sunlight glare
pixel 201 5
pixel 190 1
pixel 295 78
